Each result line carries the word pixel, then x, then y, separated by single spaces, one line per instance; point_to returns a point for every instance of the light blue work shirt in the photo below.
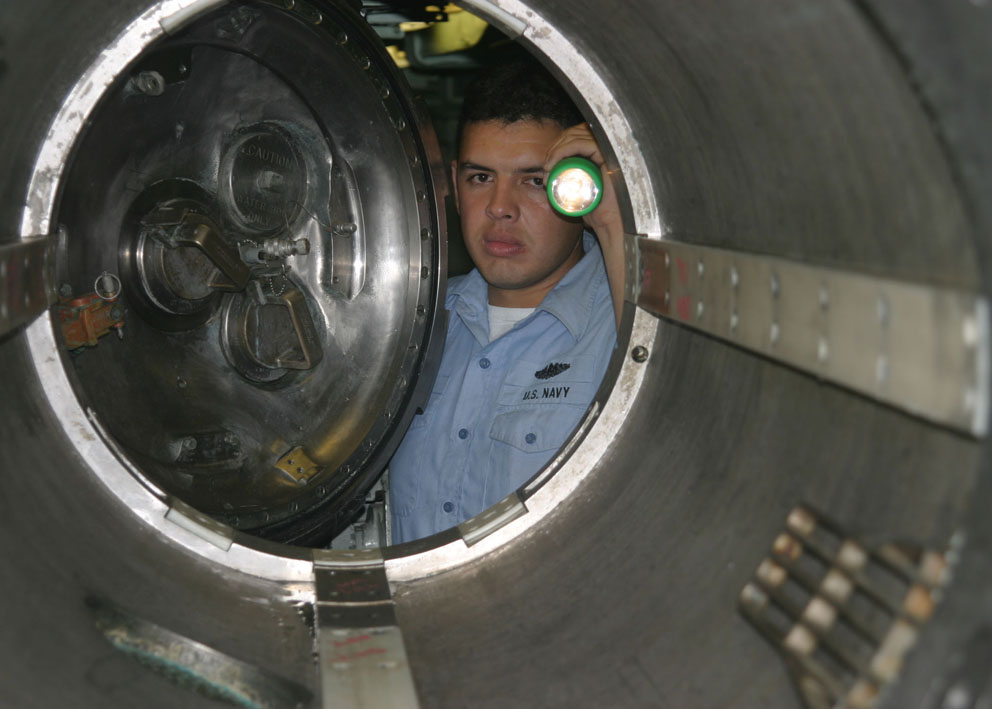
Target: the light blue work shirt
pixel 500 410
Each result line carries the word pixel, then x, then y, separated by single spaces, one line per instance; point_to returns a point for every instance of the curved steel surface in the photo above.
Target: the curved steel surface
pixel 348 188
pixel 846 134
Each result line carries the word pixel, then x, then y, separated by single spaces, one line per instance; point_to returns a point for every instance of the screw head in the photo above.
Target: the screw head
pixel 150 83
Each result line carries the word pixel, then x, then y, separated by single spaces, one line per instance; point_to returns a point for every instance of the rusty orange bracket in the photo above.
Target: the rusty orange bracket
pixel 86 319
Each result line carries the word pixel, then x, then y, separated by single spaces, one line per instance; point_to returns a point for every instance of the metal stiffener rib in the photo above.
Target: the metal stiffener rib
pixel 25 278
pixel 842 615
pixel 363 661
pixel 918 347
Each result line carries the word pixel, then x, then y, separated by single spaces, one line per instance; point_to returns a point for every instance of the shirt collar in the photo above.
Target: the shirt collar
pixel 468 297
pixel 571 300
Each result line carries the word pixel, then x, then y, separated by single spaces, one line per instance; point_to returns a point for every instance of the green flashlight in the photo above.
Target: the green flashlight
pixel 575 186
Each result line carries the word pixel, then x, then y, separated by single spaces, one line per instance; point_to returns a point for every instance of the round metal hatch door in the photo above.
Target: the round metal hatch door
pixel 258 187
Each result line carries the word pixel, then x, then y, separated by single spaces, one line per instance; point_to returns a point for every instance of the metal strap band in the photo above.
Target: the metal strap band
pixel 26 272
pixel 363 660
pixel 918 347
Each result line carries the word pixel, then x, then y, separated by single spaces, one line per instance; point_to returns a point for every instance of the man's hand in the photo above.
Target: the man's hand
pixel 605 219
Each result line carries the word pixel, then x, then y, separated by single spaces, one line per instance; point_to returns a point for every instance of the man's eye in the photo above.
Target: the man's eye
pixel 479 177
pixel 537 181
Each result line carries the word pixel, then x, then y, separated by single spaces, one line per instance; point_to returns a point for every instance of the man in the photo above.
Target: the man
pixel 532 328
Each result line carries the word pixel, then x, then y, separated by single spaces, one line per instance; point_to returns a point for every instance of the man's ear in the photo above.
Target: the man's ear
pixel 454 184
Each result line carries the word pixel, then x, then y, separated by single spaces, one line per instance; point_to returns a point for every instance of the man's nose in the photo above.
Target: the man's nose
pixel 502 202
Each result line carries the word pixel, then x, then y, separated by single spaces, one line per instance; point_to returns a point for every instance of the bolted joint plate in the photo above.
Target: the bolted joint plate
pixel 918 347
pixel 363 660
pixel 26 278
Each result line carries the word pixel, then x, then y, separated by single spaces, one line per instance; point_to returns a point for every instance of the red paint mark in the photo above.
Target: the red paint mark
pixel 683 304
pixel 683 271
pixel 356 585
pixel 358 655
pixel 352 641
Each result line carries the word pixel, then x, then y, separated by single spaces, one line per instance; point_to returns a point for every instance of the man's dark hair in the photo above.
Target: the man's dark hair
pixel 521 90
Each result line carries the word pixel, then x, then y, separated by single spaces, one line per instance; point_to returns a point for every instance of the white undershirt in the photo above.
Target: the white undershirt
pixel 502 320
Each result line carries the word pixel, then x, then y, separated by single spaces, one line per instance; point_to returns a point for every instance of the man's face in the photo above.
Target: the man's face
pixel 519 243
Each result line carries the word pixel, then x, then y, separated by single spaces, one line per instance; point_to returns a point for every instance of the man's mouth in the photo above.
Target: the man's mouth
pixel 502 246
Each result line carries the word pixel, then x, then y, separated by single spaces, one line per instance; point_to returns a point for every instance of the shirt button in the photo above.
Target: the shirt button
pixel 463 434
pixel 530 438
pixel 484 363
pixel 448 507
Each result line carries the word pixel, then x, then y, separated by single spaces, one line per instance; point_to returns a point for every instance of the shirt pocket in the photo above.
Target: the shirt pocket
pixel 523 441
pixel 535 429
pixel 547 383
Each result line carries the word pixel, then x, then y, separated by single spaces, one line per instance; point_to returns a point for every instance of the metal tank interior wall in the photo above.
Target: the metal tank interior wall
pixel 844 135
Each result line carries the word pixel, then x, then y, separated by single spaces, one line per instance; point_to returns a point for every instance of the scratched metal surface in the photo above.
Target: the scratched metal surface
pixel 781 128
pixel 788 129
pixel 67 545
pixel 628 599
pixel 63 539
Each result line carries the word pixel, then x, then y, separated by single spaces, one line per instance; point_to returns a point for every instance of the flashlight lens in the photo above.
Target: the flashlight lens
pixel 574 190
pixel 575 186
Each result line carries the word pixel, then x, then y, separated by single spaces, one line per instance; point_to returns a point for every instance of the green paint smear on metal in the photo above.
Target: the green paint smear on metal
pixel 186 677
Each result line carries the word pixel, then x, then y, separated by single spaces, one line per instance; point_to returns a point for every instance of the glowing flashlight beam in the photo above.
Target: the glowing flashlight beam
pixel 575 186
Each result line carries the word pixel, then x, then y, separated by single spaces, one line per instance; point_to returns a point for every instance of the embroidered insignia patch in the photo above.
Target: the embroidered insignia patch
pixel 552 370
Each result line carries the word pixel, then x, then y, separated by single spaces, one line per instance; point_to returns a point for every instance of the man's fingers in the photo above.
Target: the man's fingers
pixel 577 140
pixel 571 148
